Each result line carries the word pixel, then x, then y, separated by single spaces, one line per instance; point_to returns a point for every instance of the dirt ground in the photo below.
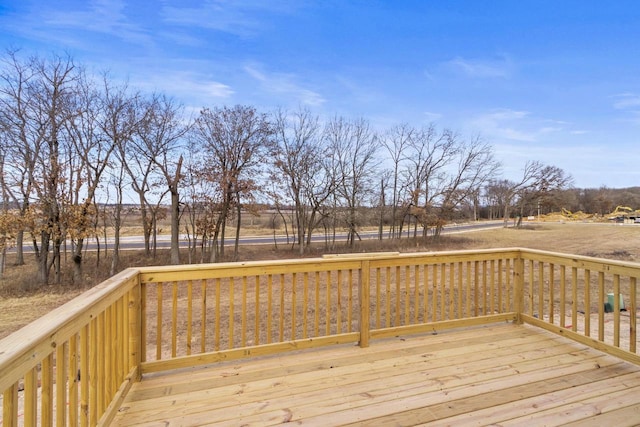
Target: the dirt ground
pixel 612 241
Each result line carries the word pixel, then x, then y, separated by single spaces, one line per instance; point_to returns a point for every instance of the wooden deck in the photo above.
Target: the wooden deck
pixel 498 374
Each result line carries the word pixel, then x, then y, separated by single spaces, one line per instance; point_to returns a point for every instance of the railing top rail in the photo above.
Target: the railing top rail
pixel 328 262
pixel 25 348
pixel 628 268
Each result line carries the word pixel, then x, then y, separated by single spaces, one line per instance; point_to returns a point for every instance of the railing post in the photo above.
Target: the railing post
pixel 364 297
pixel 518 284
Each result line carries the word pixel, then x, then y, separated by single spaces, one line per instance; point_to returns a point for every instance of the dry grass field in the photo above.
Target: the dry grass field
pixel 613 241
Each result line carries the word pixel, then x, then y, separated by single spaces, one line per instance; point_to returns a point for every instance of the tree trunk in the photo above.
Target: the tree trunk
pixel 43 259
pixel 238 222
pixel 77 262
pixel 117 219
pixel 175 228
pixel 20 248
pixel 3 257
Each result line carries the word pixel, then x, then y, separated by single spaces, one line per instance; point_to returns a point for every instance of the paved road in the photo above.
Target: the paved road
pixel 137 242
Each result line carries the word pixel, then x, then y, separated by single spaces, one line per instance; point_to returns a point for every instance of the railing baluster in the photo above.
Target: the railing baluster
pixel 174 319
pixel 364 297
pixel 425 290
pixel 85 375
pixel 509 306
pixel 476 288
pixel 243 314
pixel 484 287
pixel 31 397
pixel 203 315
pixel 451 289
pixel 107 358
pixel 231 284
pixel 416 293
pixel 616 310
pixel 93 373
pixel 407 303
pixel 256 334
pixel 601 306
pixel 552 294
pixel 530 296
pixel 125 349
pixel 443 291
pixel 460 313
pixel 378 298
pixel 46 391
pixel 61 383
pixel 316 327
pixel 350 302
pixel 632 314
pixel 189 316
pixel 468 289
pixel 10 405
pixel 217 315
pixel 499 291
pixel 100 375
pixel 541 290
pixel 73 379
pixel 159 296
pixel 282 309
pixel 587 303
pixel 492 284
pixel 294 297
pixel 574 297
pixel 112 355
pixel 270 306
pixel 305 303
pixel 141 341
pixel 563 289
pixel 398 296
pixel 387 279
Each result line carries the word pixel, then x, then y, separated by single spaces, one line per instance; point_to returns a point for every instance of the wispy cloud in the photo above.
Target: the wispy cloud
pixel 516 125
pixel 284 84
pixel 196 87
pixel 626 101
pixel 481 68
pixel 239 17
pixel 98 16
pixel 629 104
pixel 431 116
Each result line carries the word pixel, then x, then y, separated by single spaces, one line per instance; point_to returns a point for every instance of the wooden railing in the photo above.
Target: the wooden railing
pixel 593 301
pixel 75 365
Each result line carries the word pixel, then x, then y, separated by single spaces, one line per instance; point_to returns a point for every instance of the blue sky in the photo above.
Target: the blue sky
pixel 554 81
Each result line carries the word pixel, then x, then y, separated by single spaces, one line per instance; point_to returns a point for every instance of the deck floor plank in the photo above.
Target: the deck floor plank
pixel 500 373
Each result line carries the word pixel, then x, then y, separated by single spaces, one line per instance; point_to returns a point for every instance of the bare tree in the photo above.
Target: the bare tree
pixel 235 141
pixel 103 119
pixel 429 155
pixel 23 136
pixel 158 138
pixel 537 179
pixel 475 166
pixel 120 116
pixel 298 168
pixel 353 146
pixel 52 94
pixel 397 140
pixel 548 181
